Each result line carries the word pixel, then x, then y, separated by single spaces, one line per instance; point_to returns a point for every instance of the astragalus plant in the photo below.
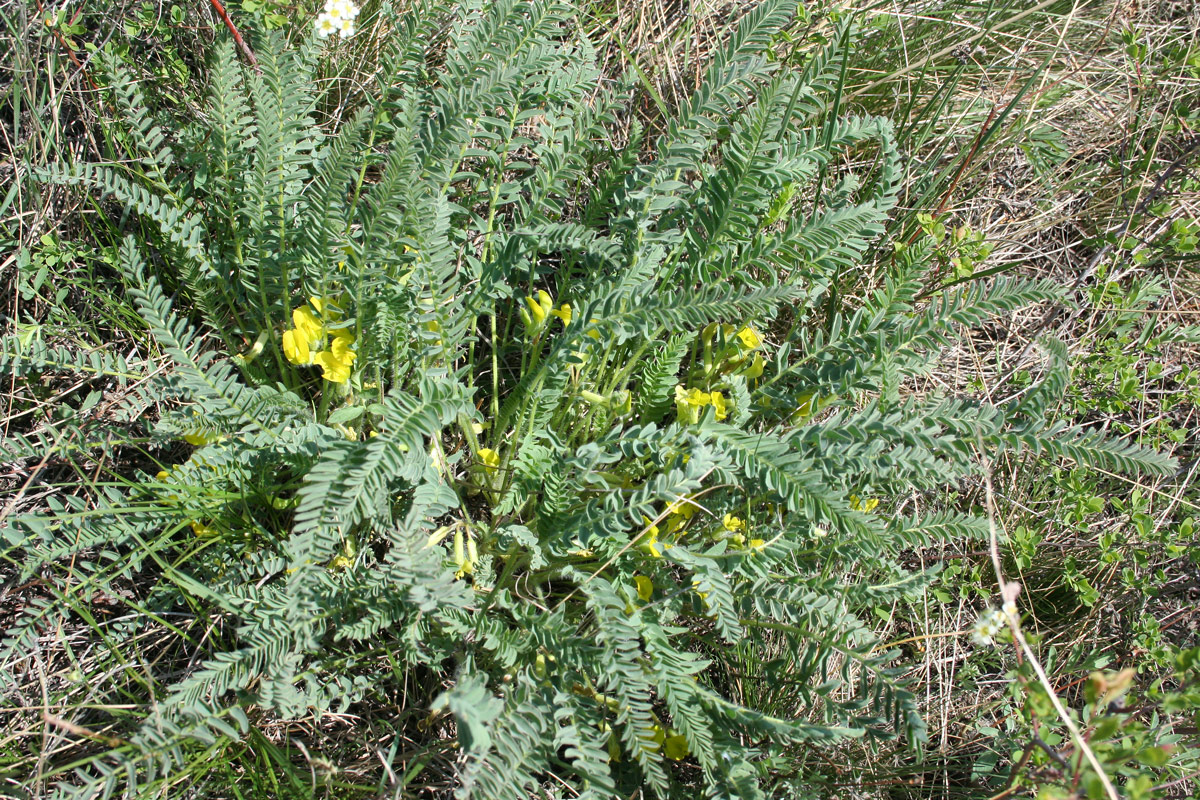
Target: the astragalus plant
pixel 490 387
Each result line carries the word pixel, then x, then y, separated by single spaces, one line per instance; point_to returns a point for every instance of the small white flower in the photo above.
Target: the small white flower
pixel 326 25
pixel 989 625
pixel 346 27
pixel 1009 608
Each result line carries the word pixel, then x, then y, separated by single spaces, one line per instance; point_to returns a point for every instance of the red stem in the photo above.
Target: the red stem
pixel 237 37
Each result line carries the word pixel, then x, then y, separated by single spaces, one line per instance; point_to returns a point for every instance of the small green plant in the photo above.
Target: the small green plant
pixel 486 390
pixel 957 248
pixel 1143 738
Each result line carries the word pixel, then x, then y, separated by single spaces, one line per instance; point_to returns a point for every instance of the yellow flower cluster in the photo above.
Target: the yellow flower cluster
pixel 489 458
pixel 735 531
pixel 200 439
pixel 305 343
pixel 734 355
pixel 654 540
pixel 484 471
pixel 672 745
pixel 866 506
pixel 690 402
pixel 465 553
pixel 810 404
pixel 679 514
pixel 649 542
pixel 540 309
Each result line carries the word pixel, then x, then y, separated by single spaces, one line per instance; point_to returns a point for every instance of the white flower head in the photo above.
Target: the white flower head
pixel 346 27
pixel 987 627
pixel 326 25
pixel 1009 608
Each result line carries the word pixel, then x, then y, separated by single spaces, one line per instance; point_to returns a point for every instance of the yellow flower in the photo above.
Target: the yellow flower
pixel 696 586
pixel 755 369
pixel 162 475
pixel 563 313
pixel 295 347
pixel 718 402
pixel 732 523
pixel 757 545
pixel 329 309
pixel 809 404
pixel 342 339
pixel 749 338
pixel 649 541
pixel 676 748
pixel 336 362
pixel 308 331
pixel 805 409
pixel 200 439
pixel 344 559
pixel 333 369
pixel 465 561
pixel 307 336
pixel 710 330
pixel 680 514
pixel 660 735
pixel 489 458
pixel 202 530
pixel 307 323
pixel 540 306
pixel 866 506
pixel 645 587
pixel 689 402
pixel 684 508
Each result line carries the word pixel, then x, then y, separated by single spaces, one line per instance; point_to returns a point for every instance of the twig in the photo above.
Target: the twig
pixel 987 124
pixel 237 37
pixel 68 48
pixel 79 730
pixel 1178 782
pixel 1050 751
pixel 1008 593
